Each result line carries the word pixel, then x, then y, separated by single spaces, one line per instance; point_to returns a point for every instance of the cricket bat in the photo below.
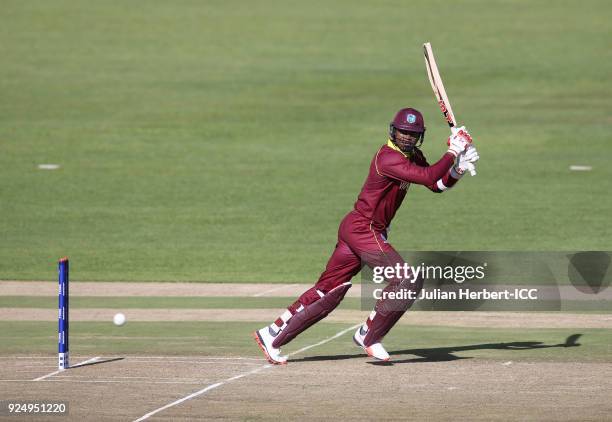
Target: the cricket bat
pixel 438 88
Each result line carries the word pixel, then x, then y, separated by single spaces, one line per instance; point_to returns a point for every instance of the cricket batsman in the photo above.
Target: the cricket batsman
pixel 362 236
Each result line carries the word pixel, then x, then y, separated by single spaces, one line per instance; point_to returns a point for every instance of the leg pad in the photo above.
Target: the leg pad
pixel 311 314
pixel 388 312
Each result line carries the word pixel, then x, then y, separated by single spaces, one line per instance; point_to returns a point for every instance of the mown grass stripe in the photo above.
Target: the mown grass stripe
pixel 48 302
pixel 243 302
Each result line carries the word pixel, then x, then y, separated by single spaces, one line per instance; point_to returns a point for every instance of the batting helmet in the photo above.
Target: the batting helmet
pixel 408 119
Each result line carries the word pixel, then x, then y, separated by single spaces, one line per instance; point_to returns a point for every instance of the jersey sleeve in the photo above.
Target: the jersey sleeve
pixel 392 164
pixel 446 182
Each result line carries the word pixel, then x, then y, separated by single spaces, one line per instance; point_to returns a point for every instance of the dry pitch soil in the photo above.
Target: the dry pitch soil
pixel 321 388
pixel 345 387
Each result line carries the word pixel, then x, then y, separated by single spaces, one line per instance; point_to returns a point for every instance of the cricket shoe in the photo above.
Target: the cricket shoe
pixel 377 351
pixel 264 339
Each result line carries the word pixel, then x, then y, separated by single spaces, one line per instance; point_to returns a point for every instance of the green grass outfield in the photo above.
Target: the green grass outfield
pixel 245 302
pixel 234 339
pixel 225 140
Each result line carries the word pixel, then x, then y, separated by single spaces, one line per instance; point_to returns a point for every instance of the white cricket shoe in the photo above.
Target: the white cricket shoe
pixel 377 351
pixel 264 339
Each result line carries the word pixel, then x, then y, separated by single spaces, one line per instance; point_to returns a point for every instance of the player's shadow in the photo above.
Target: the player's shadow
pixel 444 354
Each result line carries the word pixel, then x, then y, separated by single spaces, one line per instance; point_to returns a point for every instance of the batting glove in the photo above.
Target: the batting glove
pixel 465 162
pixel 455 130
pixel 459 141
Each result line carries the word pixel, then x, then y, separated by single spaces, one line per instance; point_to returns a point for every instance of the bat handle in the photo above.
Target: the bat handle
pixel 471 167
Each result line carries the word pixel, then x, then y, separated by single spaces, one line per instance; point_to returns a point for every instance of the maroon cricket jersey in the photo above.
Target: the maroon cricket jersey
pixel 391 173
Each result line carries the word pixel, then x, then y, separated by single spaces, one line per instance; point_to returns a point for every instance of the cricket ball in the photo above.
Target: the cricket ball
pixel 119 319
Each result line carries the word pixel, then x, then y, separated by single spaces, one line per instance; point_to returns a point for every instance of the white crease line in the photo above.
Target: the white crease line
pixel 191 358
pixel 145 378
pixel 33 357
pixel 33 363
pixel 200 392
pixel 120 381
pixel 274 289
pixel 85 362
pixel 47 376
pixel 325 341
pixel 39 366
pixel 198 362
pixel 152 357
pixel 72 366
pixel 254 371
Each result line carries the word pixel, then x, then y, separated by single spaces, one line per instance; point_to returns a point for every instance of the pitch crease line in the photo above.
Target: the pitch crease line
pixel 239 376
pixel 191 358
pixel 103 381
pixel 72 366
pixel 274 289
pixel 195 362
pixel 303 349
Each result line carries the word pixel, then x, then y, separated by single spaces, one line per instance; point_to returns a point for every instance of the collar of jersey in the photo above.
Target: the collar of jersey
pixel 391 145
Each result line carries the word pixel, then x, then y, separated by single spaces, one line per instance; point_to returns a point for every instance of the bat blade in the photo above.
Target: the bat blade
pixel 438 88
pixel 437 85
